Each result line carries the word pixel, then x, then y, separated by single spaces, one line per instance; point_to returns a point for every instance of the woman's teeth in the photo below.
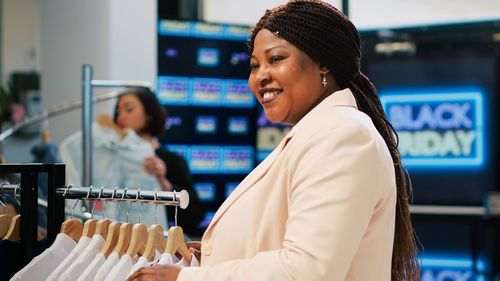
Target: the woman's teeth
pixel 269 95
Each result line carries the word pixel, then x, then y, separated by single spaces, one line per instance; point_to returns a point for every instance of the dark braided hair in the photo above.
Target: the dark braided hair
pixel 328 37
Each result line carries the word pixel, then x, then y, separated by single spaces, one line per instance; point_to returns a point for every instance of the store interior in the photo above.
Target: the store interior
pixel 436 67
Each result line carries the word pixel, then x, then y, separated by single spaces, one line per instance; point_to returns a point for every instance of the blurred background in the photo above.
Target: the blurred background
pixel 436 65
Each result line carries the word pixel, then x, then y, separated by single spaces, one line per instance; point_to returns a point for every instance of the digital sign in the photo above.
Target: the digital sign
pixel 209 57
pixel 205 190
pixel 206 92
pixel 237 94
pixel 173 90
pixel 452 268
pixel 237 159
pixel 237 125
pixel 438 128
pixel 206 124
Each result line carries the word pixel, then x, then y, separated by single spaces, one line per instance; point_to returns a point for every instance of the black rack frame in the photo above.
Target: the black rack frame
pixel 29 208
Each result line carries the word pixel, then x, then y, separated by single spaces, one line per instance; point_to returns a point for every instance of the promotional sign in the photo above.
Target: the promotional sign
pixel 438 128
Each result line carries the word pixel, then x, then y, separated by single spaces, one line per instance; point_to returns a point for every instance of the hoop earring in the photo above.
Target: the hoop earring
pixel 323 80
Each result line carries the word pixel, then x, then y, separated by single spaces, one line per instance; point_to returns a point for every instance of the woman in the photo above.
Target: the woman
pixel 139 110
pixel 330 202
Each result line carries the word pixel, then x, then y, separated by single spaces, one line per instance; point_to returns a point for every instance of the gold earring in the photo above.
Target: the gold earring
pixel 323 80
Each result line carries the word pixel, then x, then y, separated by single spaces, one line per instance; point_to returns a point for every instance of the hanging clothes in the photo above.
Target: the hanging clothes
pixel 118 161
pixel 42 265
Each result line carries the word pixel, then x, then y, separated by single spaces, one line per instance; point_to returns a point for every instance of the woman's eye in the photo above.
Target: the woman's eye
pixel 253 66
pixel 276 59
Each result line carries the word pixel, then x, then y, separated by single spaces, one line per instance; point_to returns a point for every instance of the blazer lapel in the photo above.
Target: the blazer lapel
pixel 254 176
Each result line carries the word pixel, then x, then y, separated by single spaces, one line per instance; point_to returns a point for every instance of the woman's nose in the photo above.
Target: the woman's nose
pixel 263 76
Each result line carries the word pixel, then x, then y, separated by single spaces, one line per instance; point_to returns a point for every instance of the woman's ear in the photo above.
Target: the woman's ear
pixel 324 70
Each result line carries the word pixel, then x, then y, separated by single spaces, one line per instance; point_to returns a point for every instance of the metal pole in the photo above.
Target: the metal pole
pixel 86 126
pixel 345 7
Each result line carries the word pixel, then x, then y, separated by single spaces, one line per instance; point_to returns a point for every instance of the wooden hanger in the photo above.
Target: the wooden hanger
pixel 46 137
pixel 176 243
pixel 155 242
pixel 123 239
pixel 14 232
pixel 138 240
pixel 102 228
pixel 112 239
pixel 5 221
pixel 89 228
pixel 105 121
pixel 73 228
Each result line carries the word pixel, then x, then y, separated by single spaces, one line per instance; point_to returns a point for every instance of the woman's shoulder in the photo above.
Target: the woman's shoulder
pixel 167 155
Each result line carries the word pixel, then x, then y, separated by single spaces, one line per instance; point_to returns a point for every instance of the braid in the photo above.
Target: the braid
pixel 405 264
pixel 334 42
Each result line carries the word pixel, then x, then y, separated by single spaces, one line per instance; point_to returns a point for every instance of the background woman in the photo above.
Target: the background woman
pixel 140 110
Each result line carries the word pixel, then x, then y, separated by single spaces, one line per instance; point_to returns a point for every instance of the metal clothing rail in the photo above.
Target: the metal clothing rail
pixel 54 112
pixel 168 198
pixel 449 210
pixel 87 94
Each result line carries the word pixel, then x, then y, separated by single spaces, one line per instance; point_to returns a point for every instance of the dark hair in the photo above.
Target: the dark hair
pixel 328 37
pixel 152 108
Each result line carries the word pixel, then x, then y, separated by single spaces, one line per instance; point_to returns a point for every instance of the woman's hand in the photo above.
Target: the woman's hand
pixel 156 167
pixel 166 272
pixel 195 249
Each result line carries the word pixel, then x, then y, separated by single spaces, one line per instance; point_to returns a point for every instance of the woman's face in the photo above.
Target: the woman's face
pixel 131 113
pixel 285 80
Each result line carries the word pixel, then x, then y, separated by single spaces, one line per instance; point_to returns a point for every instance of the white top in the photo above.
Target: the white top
pixel 121 269
pixel 143 262
pixel 106 267
pixel 84 259
pixel 167 258
pixel 90 272
pixel 82 244
pixel 119 161
pixel 41 266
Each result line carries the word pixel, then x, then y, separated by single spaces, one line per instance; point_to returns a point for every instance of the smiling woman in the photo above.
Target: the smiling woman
pixel 330 202
pixel 281 74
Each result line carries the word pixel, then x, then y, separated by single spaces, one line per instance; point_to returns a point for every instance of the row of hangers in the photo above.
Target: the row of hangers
pixel 126 238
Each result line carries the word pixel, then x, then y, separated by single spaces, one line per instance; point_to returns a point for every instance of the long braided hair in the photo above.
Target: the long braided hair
pixel 328 37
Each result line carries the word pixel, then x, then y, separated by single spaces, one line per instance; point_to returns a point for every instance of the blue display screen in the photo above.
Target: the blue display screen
pixel 438 128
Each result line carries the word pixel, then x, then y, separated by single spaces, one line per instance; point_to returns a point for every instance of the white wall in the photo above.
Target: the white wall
pixel 117 37
pixel 243 11
pixel 72 33
pixel 20 37
pixel 367 14
pixel 132 40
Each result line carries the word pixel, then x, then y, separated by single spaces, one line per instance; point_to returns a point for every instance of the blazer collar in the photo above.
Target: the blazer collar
pixel 339 98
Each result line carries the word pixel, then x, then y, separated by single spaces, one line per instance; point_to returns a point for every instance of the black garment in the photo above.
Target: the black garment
pixel 178 174
pixel 11 257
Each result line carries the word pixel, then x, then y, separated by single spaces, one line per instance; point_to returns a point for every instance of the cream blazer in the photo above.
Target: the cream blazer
pixel 321 206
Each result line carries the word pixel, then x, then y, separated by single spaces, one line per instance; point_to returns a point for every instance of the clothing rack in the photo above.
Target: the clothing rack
pixel 58 192
pixel 168 198
pixel 28 189
pixel 87 94
pixel 57 110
